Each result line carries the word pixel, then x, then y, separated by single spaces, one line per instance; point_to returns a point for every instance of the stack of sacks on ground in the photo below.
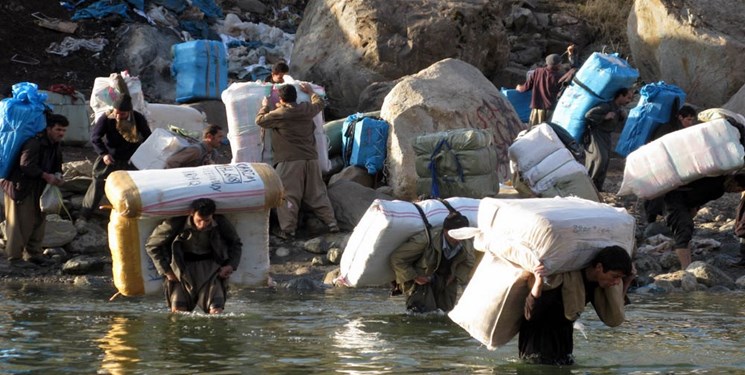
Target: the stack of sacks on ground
pixel 157 148
pixel 597 81
pixel 107 90
pixel 710 149
pixel 541 160
pixel 243 192
pixel 385 226
pixel 249 142
pixel 456 163
pixel 563 234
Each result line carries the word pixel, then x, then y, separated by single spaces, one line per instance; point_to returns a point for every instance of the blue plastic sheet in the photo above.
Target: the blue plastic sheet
pixel 21 117
pixel 138 4
pixel 520 101
pixel 101 9
pixel 654 109
pixel 201 70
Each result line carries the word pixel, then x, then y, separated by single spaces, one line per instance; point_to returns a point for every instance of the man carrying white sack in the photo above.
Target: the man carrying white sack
pixel 429 266
pixel 296 158
pixel 196 254
pixel 198 154
pixel 554 303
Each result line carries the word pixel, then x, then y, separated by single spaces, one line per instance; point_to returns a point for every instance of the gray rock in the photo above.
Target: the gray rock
pixel 252 6
pixel 74 169
pixel 710 275
pixel 665 286
pixel 58 232
pixel 350 201
pixel 282 252
pixel 334 255
pixel 83 264
pixel 669 260
pixel 318 261
pixel 304 284
pixel 76 185
pixel 94 241
pixel 647 264
pixel 740 282
pixel 88 280
pixel 330 276
pixel 393 39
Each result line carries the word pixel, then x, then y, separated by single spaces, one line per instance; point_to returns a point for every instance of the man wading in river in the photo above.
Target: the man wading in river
pixel 197 254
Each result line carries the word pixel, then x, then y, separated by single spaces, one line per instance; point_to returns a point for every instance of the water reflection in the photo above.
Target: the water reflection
pixel 58 329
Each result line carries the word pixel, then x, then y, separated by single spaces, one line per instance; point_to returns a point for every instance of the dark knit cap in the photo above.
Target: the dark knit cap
pixel 124 103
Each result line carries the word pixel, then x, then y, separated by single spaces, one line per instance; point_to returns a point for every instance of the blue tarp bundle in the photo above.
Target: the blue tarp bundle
pixel 201 70
pixel 365 142
pixel 597 81
pixel 520 101
pixel 208 7
pixel 604 74
pixel 21 117
pixel 176 6
pixel 655 107
pixel 103 8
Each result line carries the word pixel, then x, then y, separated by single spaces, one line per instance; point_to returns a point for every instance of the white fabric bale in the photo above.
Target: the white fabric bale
pixel 242 103
pixel 157 148
pixel 161 116
pixel 550 180
pixel 536 144
pixel 233 187
pixel 383 228
pixel 547 166
pixel 683 156
pixel 491 306
pixel 562 233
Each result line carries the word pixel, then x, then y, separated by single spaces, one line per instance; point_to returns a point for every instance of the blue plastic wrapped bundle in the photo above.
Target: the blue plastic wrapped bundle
pixel 201 70
pixel 654 109
pixel 571 108
pixel 604 74
pixel 520 101
pixel 21 117
pixel 365 142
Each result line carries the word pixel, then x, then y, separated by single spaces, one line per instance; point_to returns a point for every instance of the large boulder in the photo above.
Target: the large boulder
pixel 450 94
pixel 695 44
pixel 350 201
pixel 145 51
pixel 347 45
pixel 737 102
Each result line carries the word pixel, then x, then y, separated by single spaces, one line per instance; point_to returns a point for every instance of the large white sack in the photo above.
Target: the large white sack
pixel 243 102
pixel 548 166
pixel 683 156
pixel 165 192
pixel 549 181
pixel 562 233
pixel 536 144
pixel 383 228
pixel 717 113
pixel 134 272
pixel 104 94
pixel 492 304
pixel 161 116
pixel 157 148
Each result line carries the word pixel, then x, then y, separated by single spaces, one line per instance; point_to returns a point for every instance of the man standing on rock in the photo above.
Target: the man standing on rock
pixel 296 158
pixel 39 164
pixel 545 85
pixel 196 254
pixel 202 153
pixel 116 136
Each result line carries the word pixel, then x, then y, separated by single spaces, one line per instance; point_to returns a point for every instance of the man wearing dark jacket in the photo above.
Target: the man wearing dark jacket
pixel 116 136
pixel 196 254
pixel 546 86
pixel 39 164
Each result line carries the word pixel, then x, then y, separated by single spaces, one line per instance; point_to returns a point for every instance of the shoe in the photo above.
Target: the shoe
pixel 39 260
pixel 334 229
pixel 283 235
pixel 22 264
